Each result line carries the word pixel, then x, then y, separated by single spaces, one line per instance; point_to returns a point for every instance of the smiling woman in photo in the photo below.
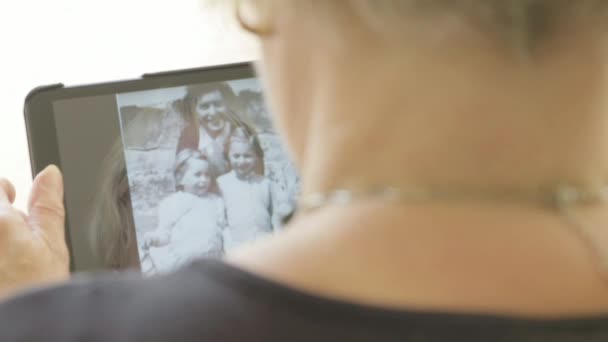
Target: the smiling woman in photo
pixel 210 110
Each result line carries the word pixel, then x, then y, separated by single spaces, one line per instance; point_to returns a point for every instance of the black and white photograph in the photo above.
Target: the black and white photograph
pixel 206 171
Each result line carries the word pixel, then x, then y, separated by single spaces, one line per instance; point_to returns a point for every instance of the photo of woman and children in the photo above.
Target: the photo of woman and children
pixel 205 169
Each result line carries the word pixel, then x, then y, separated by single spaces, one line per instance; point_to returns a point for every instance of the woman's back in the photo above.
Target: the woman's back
pixel 211 301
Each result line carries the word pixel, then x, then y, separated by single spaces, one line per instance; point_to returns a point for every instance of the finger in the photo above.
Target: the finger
pixel 7 192
pixel 45 207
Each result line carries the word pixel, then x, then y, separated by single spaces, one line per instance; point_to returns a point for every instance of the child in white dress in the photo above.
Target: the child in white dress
pixel 191 220
pixel 247 194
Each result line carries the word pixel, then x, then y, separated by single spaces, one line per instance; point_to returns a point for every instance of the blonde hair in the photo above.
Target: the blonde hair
pixel 112 230
pixel 521 24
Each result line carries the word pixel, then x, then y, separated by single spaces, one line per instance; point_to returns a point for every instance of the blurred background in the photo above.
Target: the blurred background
pixel 77 42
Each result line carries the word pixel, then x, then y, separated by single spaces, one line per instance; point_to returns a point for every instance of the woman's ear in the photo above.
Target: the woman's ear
pixel 257 16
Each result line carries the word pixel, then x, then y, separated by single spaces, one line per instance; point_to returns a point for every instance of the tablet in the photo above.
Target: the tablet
pixel 165 169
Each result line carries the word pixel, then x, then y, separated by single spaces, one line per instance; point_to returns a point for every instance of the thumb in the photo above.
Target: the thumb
pixel 45 207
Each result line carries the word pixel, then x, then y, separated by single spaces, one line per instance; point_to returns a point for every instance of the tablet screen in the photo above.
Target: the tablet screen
pixel 160 177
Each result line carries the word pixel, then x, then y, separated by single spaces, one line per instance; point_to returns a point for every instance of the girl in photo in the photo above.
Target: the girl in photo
pixel 247 193
pixel 190 221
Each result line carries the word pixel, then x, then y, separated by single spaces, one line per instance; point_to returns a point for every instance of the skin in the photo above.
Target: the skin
pixel 196 178
pixel 242 158
pixel 211 110
pixel 450 107
pixel 34 252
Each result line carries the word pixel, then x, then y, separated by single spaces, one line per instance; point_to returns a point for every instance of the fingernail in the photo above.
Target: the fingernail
pixel 52 179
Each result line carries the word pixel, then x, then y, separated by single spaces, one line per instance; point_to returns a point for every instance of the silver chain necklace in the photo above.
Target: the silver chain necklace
pixel 558 197
pixel 563 199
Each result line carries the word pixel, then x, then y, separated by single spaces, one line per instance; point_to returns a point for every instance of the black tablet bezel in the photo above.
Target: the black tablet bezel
pixel 40 119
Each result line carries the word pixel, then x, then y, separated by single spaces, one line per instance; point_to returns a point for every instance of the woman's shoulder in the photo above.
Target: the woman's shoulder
pixel 238 306
pixel 63 313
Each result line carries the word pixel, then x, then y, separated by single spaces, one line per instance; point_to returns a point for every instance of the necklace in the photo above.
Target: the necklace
pixel 562 198
pixel 558 197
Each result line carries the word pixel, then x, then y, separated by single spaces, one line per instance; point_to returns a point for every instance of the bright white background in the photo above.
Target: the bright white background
pixel 83 41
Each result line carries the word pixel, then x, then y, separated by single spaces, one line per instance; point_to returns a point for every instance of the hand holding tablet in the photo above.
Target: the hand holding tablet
pixel 32 246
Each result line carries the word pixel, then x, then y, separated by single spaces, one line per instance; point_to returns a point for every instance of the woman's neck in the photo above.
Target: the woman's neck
pixel 455 123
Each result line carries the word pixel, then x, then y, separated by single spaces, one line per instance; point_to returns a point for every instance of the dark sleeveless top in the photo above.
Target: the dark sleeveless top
pixel 211 301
